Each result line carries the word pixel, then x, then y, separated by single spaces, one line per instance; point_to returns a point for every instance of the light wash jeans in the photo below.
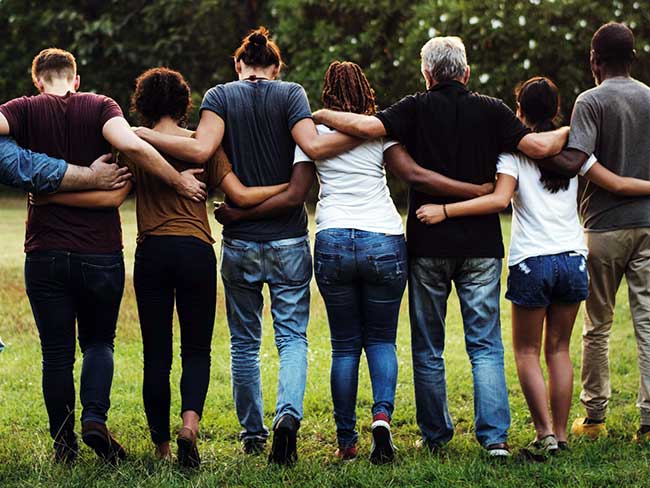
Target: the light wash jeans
pixel 285 265
pixel 362 276
pixel 478 285
pixel 29 171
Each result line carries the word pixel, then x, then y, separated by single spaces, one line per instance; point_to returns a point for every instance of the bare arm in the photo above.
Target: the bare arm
pixel 119 134
pixel 540 145
pixel 400 163
pixel 567 163
pixel 620 185
pixel 487 204
pixel 197 149
pixel 248 196
pixel 363 126
pixel 301 181
pixel 321 146
pixel 100 175
pixel 85 199
pixel 4 125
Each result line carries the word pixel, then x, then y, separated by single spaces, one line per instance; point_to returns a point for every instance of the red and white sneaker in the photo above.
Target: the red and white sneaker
pixel 346 453
pixel 382 450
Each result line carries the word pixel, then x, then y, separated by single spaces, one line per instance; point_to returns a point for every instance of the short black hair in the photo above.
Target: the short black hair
pixel 161 92
pixel 613 45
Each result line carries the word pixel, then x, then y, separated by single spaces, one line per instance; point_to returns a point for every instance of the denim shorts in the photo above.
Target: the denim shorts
pixel 541 280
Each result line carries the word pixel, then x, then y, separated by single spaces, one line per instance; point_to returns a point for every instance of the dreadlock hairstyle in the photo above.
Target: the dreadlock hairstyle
pixel 347 89
pixel 539 102
pixel 258 50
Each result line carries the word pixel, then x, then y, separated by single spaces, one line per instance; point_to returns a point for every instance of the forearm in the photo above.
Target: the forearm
pixel 152 162
pixel 353 124
pixel 436 184
pixel 323 146
pixel 88 199
pixel 77 178
pixel 254 195
pixel 274 206
pixel 541 145
pixel 566 163
pixel 633 187
pixel 487 204
pixel 184 148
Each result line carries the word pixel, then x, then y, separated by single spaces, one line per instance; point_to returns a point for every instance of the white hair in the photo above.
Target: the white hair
pixel 444 58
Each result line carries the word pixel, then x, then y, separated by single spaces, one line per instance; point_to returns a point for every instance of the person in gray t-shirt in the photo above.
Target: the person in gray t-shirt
pixel 258 119
pixel 611 121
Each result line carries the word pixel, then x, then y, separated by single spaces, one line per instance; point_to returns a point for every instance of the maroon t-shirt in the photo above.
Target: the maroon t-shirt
pixel 70 128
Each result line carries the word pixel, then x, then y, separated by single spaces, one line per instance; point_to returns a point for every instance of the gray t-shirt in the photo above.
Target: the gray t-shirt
pixel 259 116
pixel 611 121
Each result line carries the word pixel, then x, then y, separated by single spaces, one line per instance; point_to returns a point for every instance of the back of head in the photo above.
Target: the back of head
pixel 161 92
pixel 613 45
pixel 53 63
pixel 347 89
pixel 444 58
pixel 539 102
pixel 258 50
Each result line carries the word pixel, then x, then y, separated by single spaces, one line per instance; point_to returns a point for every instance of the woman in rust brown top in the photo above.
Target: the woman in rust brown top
pixel 174 259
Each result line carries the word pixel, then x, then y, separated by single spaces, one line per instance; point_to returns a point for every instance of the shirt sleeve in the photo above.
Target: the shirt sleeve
pixel 110 110
pixel 218 168
pixel 588 165
pixel 510 129
pixel 15 111
pixel 298 105
pixel 399 119
pixel 507 164
pixel 388 143
pixel 29 171
pixel 584 127
pixel 214 100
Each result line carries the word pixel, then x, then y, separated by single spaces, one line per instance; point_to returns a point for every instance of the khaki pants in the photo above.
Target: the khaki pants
pixel 612 255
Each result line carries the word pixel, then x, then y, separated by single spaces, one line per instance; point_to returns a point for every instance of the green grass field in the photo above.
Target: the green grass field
pixel 25 446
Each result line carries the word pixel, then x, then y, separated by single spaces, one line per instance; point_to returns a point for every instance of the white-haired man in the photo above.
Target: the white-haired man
pixel 458 133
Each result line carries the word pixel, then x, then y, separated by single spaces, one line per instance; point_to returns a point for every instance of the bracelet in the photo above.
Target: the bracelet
pixel 444 210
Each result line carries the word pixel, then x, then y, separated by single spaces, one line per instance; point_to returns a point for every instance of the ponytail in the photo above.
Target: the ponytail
pixel 539 102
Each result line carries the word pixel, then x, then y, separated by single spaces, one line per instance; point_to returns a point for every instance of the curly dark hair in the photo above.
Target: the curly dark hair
pixel 160 92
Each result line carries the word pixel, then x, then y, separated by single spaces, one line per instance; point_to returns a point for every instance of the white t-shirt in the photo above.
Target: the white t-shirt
pixel 543 223
pixel 353 190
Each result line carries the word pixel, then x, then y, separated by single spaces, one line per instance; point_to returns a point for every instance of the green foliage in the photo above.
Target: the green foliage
pixel 507 41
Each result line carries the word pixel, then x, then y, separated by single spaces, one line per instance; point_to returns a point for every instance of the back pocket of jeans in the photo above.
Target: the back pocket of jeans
pixel 292 263
pixel 387 267
pixel 104 282
pixel 327 267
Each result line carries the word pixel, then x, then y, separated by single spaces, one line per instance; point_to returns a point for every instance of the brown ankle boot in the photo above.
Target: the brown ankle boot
pixel 97 437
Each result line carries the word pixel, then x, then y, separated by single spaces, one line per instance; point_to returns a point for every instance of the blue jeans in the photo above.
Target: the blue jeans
pixel 64 288
pixel 285 265
pixel 29 171
pixel 477 282
pixel 361 276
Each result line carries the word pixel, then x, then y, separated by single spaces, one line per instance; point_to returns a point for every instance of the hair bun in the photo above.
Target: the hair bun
pixel 258 39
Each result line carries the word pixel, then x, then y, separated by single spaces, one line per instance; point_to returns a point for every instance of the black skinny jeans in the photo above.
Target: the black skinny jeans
pixel 185 267
pixel 64 288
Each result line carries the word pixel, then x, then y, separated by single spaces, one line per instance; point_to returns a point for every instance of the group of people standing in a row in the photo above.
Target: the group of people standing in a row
pixel 257 140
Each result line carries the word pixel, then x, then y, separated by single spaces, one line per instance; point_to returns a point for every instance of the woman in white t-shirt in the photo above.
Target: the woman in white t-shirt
pixel 547 261
pixel 360 260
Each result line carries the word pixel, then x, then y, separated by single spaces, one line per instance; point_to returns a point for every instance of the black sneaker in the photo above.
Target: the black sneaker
pixel 283 449
pixel 253 445
pixel 66 448
pixel 382 450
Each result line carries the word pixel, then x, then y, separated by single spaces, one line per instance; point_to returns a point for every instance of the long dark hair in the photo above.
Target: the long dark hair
pixel 347 89
pixel 539 101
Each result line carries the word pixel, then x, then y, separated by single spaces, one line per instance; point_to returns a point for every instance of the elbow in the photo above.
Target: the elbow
pixel 501 203
pixel 295 199
pixel 199 155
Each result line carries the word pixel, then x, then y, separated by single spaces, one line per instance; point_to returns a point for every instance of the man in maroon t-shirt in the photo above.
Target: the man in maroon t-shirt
pixel 74 269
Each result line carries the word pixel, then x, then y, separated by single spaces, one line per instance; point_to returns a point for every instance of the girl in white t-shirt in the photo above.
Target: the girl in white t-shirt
pixel 548 274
